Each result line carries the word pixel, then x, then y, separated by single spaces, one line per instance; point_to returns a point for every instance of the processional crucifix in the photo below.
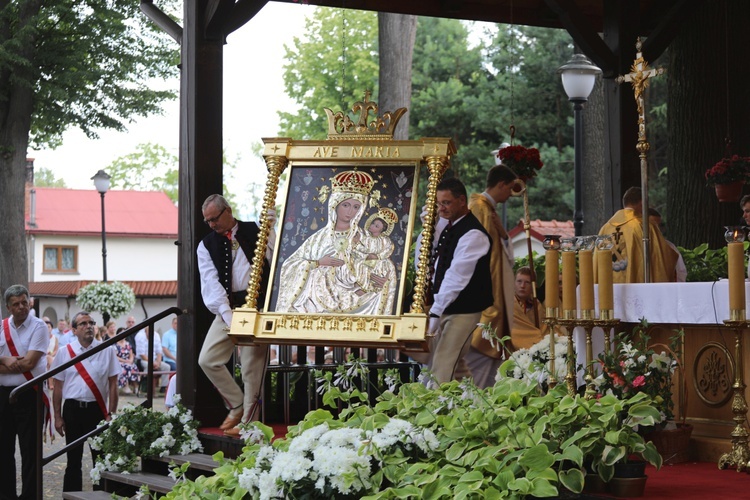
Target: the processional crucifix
pixel 639 78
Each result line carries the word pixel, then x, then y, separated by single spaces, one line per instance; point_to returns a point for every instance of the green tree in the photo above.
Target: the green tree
pixel 340 46
pixel 151 167
pixel 84 63
pixel 44 177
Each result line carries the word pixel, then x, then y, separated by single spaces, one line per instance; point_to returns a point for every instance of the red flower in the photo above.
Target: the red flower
pixel 639 381
pixel 523 161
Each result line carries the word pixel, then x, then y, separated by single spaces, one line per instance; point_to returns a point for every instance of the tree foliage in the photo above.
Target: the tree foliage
pixel 89 64
pixel 469 91
pixel 44 177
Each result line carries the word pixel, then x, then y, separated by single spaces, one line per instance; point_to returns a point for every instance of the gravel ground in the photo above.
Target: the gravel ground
pixel 55 470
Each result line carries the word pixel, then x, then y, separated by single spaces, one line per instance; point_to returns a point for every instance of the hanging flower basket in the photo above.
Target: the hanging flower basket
pixel 524 162
pixel 731 192
pixel 728 176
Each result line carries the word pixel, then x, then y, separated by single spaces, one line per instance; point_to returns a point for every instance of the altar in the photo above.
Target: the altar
pixel 708 351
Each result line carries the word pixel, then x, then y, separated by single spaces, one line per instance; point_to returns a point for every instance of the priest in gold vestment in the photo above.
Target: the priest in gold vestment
pixel 483 359
pixel 525 332
pixel 627 253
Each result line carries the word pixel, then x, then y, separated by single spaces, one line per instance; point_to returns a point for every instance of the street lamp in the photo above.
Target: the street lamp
pixel 101 182
pixel 578 78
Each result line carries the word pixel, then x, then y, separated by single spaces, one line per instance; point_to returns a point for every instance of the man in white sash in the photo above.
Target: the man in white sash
pixel 23 343
pixel 86 388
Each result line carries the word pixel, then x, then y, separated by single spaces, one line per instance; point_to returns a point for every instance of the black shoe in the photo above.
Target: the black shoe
pixel 162 390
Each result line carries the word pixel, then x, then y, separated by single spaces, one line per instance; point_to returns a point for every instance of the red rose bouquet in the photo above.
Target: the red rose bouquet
pixel 523 161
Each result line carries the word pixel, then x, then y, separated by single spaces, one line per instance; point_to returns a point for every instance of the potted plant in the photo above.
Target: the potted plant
pixel 111 299
pixel 524 162
pixel 727 176
pixel 638 366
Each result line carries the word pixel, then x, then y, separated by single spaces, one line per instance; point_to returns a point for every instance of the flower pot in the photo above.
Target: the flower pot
pixel 673 445
pixel 627 487
pixel 630 469
pixel 593 484
pixel 729 192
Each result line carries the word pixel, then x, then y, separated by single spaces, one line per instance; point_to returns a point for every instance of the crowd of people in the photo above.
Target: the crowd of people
pixel 77 398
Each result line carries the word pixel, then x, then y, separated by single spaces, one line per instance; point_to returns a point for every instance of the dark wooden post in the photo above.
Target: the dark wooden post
pixel 200 176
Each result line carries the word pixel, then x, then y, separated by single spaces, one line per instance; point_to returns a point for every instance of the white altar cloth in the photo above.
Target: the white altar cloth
pixel 699 303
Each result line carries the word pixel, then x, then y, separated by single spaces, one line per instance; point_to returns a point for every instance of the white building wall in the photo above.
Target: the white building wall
pixel 128 259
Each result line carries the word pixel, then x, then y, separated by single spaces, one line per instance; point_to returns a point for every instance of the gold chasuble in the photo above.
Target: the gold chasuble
pixel 497 314
pixel 627 254
pixel 525 334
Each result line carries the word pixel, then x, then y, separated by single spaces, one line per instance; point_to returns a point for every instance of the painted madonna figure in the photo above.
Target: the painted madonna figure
pixel 321 275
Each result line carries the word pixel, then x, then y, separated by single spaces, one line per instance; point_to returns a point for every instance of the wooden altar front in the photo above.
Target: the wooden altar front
pixel 709 352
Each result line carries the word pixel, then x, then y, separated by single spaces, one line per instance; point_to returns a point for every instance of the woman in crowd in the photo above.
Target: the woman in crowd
pixel 130 376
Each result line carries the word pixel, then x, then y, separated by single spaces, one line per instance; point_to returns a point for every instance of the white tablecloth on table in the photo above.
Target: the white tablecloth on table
pixel 701 303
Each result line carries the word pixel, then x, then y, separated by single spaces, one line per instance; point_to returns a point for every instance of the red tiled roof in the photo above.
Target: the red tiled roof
pixel 151 289
pixel 146 214
pixel 539 228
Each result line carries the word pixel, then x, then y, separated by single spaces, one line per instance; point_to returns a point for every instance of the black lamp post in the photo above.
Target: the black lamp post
pixel 101 182
pixel 578 78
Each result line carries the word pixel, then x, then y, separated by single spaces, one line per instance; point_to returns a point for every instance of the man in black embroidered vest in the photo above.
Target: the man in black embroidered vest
pixel 224 260
pixel 462 283
pixel 89 390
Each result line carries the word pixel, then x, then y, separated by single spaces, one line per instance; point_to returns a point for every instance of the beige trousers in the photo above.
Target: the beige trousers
pixel 447 360
pixel 216 351
pixel 483 368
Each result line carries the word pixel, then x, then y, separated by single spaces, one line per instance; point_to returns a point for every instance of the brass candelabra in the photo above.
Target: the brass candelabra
pixel 739 456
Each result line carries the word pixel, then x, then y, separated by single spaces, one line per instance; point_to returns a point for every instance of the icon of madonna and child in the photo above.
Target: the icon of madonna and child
pixel 341 267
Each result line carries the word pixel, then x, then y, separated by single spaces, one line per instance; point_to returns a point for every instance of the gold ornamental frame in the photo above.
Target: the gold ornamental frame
pixel 359 160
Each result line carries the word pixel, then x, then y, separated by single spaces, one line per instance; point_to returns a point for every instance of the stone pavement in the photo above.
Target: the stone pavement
pixel 55 470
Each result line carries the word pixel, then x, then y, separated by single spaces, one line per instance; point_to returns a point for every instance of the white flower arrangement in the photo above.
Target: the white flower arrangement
pixel 329 462
pixel 533 364
pixel 137 431
pixel 114 298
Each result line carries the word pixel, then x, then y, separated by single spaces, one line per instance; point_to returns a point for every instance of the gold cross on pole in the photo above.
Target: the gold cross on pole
pixel 639 79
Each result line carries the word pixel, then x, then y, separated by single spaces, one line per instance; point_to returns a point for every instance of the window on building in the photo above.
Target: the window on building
pixel 61 259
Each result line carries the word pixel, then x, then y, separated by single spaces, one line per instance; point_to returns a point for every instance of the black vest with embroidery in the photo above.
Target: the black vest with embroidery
pixel 220 249
pixel 477 296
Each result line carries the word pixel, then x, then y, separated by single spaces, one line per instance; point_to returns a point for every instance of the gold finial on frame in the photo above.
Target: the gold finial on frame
pixel 341 126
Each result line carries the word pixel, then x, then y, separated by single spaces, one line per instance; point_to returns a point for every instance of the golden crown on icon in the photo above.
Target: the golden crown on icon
pixel 341 126
pixel 352 181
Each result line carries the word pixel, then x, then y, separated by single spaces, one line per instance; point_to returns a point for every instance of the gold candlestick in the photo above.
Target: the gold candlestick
pixel 740 453
pixel 570 376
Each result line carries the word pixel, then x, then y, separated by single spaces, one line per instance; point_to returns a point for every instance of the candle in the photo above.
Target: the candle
pixel 735 256
pixel 586 268
pixel 551 284
pixel 569 281
pixel 604 276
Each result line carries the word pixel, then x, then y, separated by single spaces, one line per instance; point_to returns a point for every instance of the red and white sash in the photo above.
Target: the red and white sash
pixel 89 381
pixel 28 375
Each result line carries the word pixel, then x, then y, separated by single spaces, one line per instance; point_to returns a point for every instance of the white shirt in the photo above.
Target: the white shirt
pixel 214 295
pixel 471 247
pixel 31 335
pixel 101 366
pixel 141 344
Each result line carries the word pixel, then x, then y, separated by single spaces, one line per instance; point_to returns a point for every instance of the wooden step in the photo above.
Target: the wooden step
pixel 87 495
pixel 199 461
pixel 155 482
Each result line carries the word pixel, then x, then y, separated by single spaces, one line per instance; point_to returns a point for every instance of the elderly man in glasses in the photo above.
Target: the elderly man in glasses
pixel 23 343
pixel 225 259
pixel 89 389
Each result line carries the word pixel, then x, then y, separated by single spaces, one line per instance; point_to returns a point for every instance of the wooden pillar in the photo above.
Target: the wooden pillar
pixel 200 176
pixel 621 164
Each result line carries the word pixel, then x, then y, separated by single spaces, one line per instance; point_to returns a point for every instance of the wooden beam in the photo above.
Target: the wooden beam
pixel 668 28
pixel 584 35
pixel 218 13
pixel 162 20
pixel 243 11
